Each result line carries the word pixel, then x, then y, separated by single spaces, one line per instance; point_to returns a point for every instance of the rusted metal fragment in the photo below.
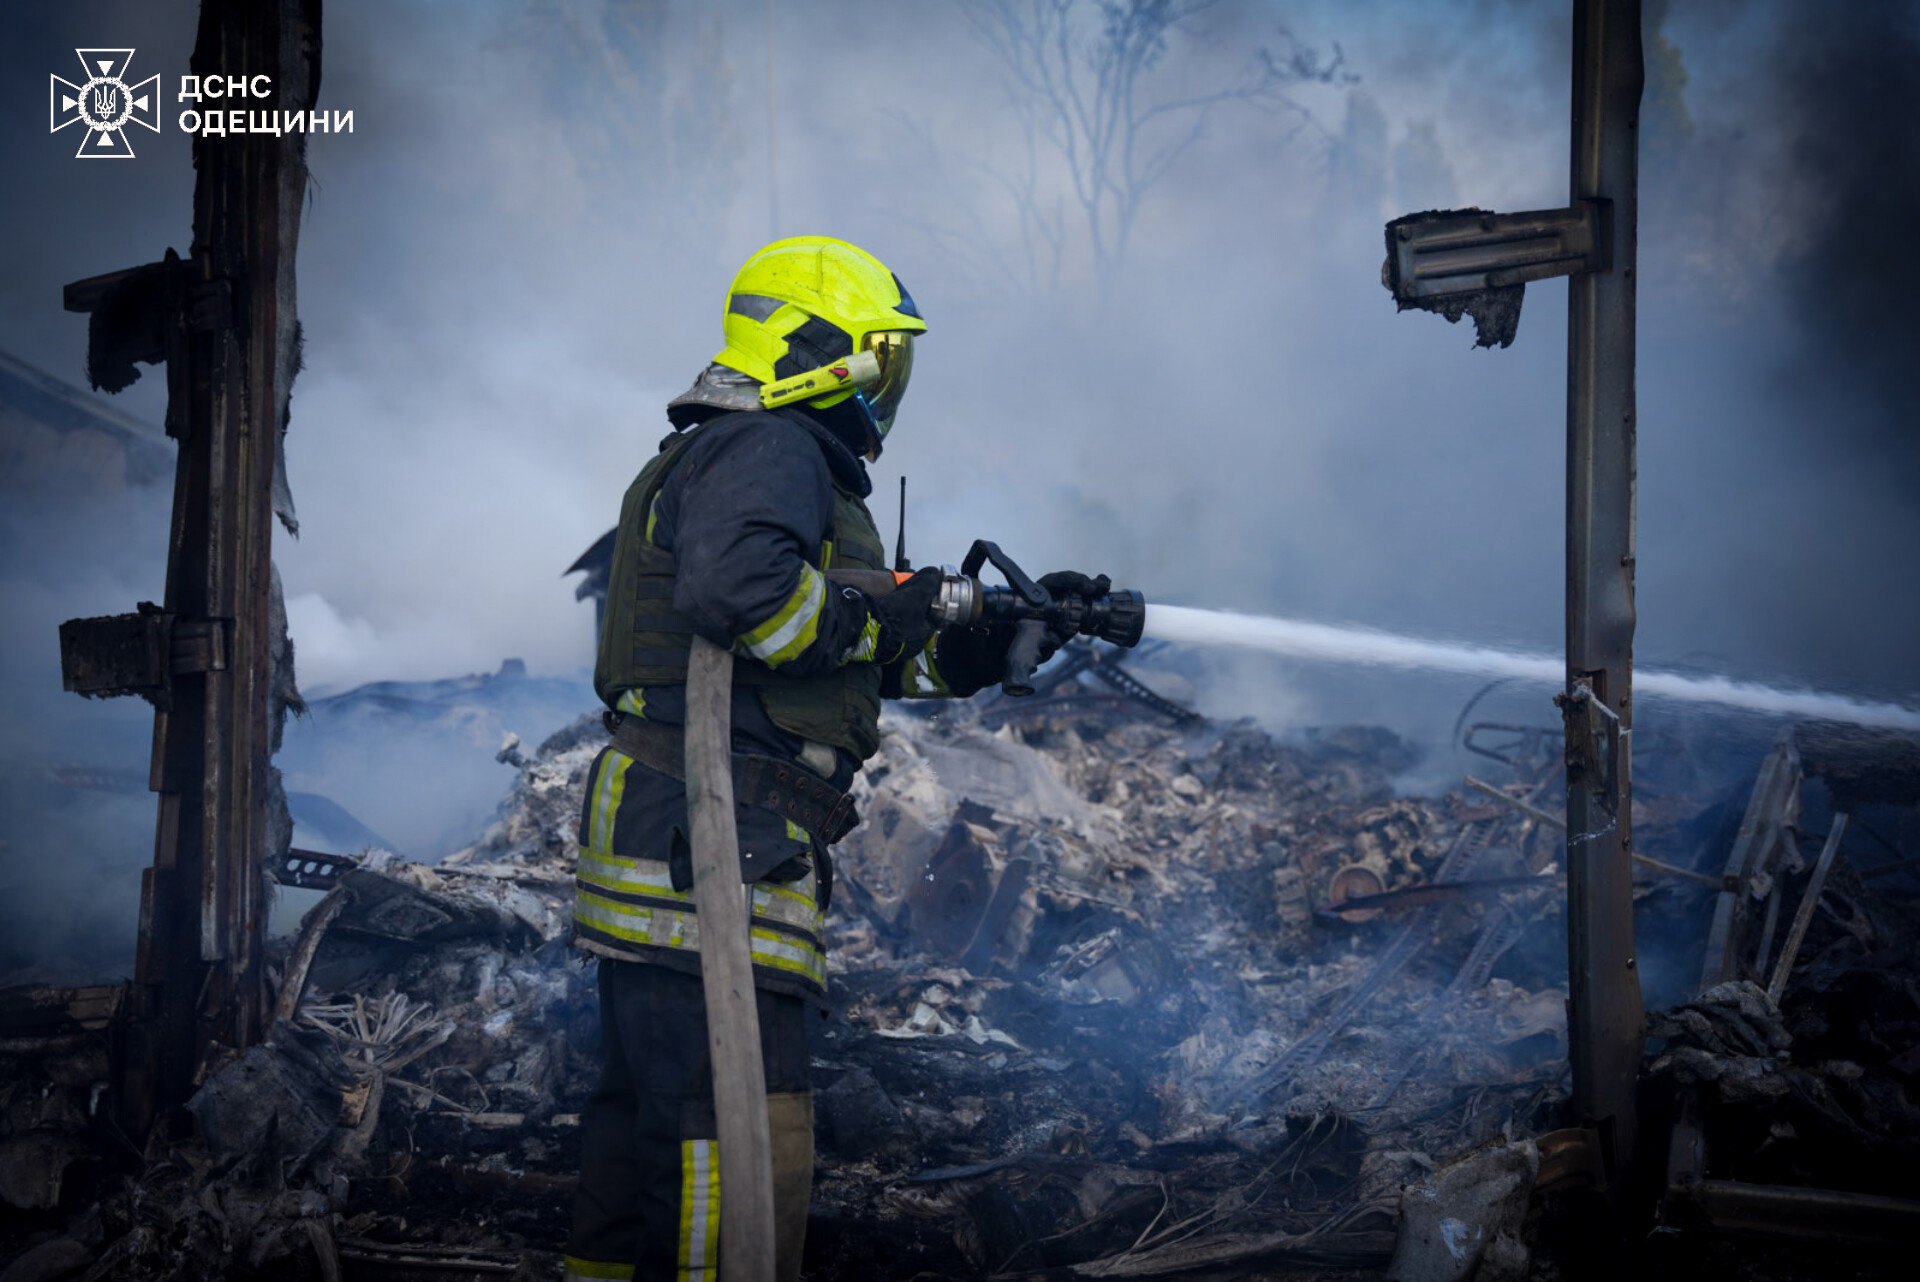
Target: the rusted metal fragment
pixel 312 869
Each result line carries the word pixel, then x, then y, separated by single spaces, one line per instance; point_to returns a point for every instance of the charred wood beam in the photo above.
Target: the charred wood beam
pixel 222 319
pixel 1803 917
pixel 379 1261
pixel 140 653
pixel 1771 812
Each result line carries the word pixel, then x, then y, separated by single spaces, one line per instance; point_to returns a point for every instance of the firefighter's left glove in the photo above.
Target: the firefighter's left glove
pixel 901 622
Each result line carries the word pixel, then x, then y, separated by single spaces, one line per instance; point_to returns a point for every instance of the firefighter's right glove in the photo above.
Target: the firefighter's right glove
pixel 901 622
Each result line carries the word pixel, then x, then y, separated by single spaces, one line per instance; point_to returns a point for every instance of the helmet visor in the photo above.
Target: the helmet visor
pixel 893 348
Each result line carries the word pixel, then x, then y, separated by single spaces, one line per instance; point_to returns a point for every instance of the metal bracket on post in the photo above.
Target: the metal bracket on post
pixel 1596 728
pixel 1469 262
pixel 1450 251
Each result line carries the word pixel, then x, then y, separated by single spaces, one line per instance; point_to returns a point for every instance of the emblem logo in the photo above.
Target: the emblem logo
pixel 105 104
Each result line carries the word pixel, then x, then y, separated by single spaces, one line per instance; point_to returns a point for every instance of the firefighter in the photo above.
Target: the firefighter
pixel 727 533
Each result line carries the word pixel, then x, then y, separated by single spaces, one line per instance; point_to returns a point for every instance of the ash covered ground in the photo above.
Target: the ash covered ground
pixel 1115 995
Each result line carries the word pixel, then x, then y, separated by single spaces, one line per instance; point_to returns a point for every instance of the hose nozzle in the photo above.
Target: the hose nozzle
pixel 1118 617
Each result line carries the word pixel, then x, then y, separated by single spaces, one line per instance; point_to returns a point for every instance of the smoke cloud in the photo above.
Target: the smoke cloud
pixel 522 251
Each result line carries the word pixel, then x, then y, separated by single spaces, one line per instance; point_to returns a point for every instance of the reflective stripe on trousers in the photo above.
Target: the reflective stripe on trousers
pixel 633 901
pixel 699 1210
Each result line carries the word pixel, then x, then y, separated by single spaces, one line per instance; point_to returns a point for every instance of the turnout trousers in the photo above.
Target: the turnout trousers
pixel 648 1206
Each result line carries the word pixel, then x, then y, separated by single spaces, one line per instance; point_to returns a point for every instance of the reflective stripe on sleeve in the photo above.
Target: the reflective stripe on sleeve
pixel 633 703
pixel 793 626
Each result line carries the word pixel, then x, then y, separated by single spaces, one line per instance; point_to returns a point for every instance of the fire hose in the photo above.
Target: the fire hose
pixel 726 972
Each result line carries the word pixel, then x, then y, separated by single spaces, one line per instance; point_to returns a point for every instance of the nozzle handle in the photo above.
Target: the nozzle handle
pixel 985 552
pixel 1023 656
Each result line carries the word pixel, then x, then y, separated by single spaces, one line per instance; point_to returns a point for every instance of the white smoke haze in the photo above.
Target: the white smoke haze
pixel 523 250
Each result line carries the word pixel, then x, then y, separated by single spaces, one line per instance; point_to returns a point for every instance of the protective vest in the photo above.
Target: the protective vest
pixel 646 642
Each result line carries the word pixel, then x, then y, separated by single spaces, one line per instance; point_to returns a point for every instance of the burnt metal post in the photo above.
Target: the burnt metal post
pixel 1477 263
pixel 222 320
pixel 1605 1014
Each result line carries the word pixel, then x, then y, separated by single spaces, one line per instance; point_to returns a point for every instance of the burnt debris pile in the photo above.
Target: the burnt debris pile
pixel 1117 993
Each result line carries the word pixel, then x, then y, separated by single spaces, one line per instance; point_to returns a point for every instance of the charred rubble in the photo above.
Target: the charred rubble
pixel 1116 994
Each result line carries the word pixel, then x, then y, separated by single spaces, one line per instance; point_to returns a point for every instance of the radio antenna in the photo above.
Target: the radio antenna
pixel 900 562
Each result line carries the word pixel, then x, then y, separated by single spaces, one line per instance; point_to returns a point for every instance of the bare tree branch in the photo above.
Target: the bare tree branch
pixel 1089 79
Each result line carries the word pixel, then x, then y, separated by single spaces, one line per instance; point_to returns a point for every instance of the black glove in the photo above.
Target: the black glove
pixel 905 616
pixel 1062 584
pixel 972 657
